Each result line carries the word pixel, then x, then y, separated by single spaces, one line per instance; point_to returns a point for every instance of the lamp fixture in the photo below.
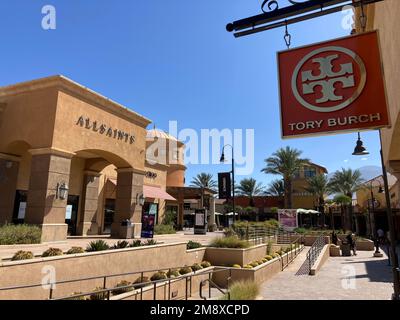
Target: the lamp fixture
pixel 140 199
pixel 360 150
pixel 62 191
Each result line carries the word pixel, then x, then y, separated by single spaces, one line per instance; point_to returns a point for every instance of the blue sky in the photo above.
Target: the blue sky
pixel 173 60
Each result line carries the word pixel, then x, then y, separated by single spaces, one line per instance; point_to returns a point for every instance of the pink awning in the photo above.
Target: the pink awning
pixel 156 193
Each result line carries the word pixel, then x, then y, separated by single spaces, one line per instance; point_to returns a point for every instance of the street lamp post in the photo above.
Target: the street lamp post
pixel 222 160
pixel 361 150
pixel 371 209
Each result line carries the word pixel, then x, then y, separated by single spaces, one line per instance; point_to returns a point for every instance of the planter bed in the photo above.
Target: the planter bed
pixel 91 264
pixel 258 274
pixel 178 287
pixel 231 256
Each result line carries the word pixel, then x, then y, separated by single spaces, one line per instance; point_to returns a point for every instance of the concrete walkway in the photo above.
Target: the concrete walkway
pixel 8 251
pixel 360 277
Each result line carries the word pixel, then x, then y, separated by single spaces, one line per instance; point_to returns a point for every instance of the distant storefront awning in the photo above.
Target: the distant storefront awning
pixel 151 192
pixel 156 193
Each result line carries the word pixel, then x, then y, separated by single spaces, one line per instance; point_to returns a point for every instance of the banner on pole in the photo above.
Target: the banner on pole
pixel 288 218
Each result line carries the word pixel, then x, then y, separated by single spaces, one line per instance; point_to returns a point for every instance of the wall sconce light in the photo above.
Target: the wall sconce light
pixel 62 191
pixel 140 199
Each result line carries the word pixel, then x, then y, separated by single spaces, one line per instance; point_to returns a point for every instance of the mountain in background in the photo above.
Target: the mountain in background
pixel 367 172
pixel 371 172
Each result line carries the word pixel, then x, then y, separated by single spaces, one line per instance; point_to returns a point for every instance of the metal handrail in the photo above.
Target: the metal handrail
pixel 52 285
pixel 315 250
pixel 188 278
pixel 290 256
pixel 260 234
pixel 210 282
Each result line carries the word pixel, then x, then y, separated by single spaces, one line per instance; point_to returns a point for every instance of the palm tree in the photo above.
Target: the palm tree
pixel 249 188
pixel 276 188
pixel 204 180
pixel 285 162
pixel 318 187
pixel 343 201
pixel 347 182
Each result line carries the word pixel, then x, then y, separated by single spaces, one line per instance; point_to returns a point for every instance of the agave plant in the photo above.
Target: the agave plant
pixel 121 245
pixel 98 245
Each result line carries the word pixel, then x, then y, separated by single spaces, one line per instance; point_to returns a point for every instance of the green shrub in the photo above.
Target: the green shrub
pixel 164 229
pixel 268 257
pixel 52 252
pixel 135 244
pixel 121 244
pixel 185 270
pixel 170 217
pixel 98 295
pixel 300 230
pixel 150 242
pixel 173 273
pixel 243 290
pixel 229 232
pixel 160 275
pixel 22 255
pixel 264 260
pixel 238 266
pixel 229 242
pixel 141 282
pixel 76 250
pixel 98 245
pixel 254 264
pixel 196 267
pixel 248 266
pixel 205 264
pixel 20 234
pixel 272 223
pixel 193 245
pixel 275 255
pixel 119 288
pixel 288 249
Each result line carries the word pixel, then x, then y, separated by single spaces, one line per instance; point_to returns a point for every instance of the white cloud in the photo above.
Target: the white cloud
pixel 364 159
pixel 347 160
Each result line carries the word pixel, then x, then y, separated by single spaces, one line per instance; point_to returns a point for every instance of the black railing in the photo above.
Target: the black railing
pixel 139 286
pixel 315 250
pixel 296 248
pixel 211 285
pixel 263 234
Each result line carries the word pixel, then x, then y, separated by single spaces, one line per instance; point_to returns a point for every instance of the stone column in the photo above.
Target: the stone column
pixel 9 166
pixel 49 167
pixel 129 189
pixel 211 223
pixel 90 198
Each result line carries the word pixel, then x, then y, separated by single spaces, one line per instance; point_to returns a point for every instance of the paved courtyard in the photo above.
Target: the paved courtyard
pixel 7 252
pixel 360 277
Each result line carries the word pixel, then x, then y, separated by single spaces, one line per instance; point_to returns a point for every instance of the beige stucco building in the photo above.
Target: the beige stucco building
pixel 75 162
pixel 302 198
pixel 384 17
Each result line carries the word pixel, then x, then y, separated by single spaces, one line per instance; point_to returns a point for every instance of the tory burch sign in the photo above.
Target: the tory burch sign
pixel 332 86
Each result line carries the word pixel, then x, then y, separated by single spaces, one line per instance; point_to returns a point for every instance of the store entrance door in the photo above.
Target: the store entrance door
pixel 71 214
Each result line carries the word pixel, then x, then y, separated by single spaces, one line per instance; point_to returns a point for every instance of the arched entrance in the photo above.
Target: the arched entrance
pixel 108 188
